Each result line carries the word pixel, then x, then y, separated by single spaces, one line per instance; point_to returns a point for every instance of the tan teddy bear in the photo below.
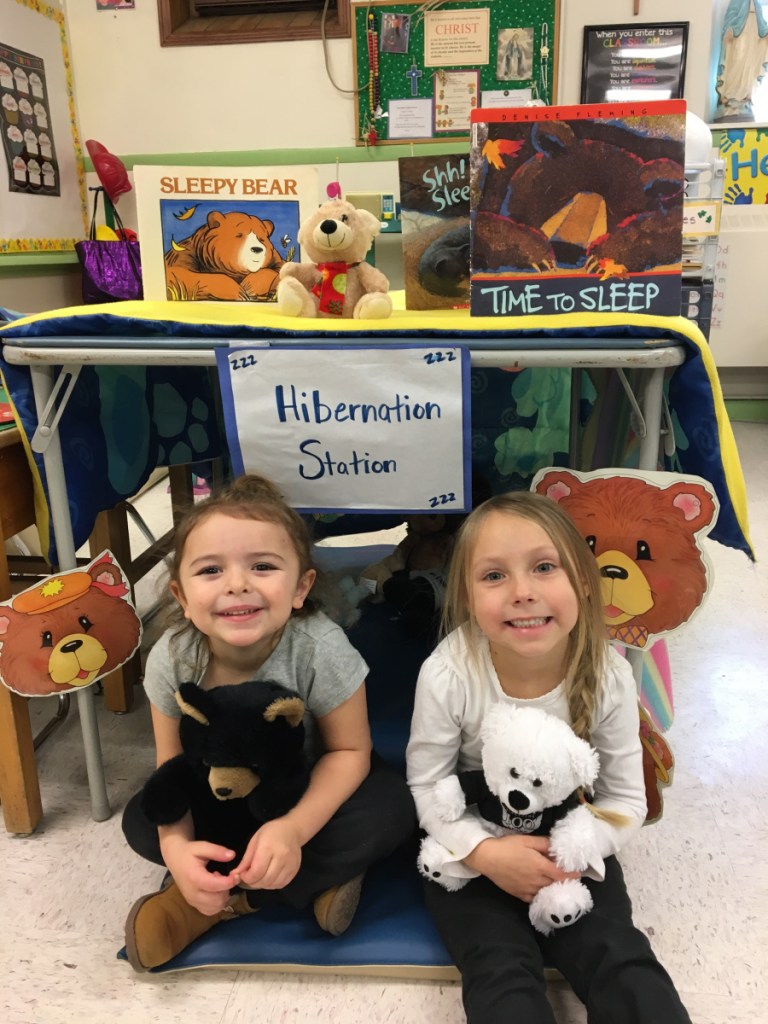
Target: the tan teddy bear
pixel 338 283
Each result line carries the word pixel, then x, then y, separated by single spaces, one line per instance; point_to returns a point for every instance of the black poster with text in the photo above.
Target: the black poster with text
pixel 632 62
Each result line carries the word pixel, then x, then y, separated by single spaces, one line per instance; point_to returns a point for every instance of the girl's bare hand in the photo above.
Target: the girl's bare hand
pixel 519 865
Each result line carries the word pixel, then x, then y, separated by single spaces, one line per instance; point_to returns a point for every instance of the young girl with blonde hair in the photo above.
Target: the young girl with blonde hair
pixel 523 624
pixel 241 576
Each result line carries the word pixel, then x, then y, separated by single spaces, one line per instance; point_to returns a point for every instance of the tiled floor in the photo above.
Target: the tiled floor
pixel 698 877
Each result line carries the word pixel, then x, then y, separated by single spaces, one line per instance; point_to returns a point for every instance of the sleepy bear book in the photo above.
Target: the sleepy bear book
pixel 577 209
pixel 220 233
pixel 434 202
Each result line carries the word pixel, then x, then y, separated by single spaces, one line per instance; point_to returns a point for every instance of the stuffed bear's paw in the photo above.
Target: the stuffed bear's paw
pixel 559 905
pixel 432 858
pixel 373 306
pixel 293 298
pixel 573 842
pixel 448 799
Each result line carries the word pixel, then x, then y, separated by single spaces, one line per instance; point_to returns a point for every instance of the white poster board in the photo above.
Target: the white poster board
pixel 342 428
pixel 42 181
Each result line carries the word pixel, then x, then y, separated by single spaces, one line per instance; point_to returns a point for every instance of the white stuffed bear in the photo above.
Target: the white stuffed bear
pixel 534 768
pixel 338 282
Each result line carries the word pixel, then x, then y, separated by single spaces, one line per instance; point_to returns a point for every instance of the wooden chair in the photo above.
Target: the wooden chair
pixel 19 784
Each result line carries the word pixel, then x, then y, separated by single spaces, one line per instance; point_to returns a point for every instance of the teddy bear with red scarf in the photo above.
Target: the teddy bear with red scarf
pixel 338 282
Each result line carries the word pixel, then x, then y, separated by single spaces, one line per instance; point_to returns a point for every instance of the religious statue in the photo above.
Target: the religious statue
pixel 743 59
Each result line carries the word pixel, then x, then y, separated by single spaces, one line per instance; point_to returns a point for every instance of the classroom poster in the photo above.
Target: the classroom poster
pixel 631 61
pixel 42 182
pixel 220 233
pixel 347 428
pixel 28 145
pixel 745 152
pixel 577 209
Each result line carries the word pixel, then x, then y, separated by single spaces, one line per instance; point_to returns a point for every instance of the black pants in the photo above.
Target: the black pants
pixel 608 962
pixel 370 825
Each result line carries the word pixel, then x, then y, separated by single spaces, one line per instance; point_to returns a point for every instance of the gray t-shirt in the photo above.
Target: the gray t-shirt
pixel 314 657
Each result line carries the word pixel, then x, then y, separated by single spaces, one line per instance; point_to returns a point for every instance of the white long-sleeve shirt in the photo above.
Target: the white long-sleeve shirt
pixel 453 693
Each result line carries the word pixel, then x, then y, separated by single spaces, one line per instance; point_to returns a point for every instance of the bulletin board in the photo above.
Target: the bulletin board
pixel 394 53
pixel 42 181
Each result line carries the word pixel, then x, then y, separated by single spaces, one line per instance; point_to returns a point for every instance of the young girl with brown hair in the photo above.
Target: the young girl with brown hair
pixel 241 577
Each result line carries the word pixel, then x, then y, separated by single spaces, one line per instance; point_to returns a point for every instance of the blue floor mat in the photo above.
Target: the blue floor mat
pixel 391 934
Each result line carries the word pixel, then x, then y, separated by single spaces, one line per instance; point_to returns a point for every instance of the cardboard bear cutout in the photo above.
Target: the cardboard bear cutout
pixel 645 530
pixel 68 630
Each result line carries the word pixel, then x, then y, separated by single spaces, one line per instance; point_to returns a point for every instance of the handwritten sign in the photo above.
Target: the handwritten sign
pixel 701 217
pixel 352 429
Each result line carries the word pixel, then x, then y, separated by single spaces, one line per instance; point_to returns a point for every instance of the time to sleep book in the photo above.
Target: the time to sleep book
pixel 220 233
pixel 577 209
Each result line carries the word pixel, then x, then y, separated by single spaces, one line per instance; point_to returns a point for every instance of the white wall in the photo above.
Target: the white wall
pixel 137 97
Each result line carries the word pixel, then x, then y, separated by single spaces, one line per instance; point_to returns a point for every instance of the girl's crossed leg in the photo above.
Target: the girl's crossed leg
pixel 606 959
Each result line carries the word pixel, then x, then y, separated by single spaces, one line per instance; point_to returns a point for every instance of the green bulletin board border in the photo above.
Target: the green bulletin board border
pixel 504 14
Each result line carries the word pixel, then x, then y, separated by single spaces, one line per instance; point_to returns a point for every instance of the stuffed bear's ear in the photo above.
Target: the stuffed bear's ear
pixel 370 222
pixel 290 708
pixel 585 762
pixel 191 700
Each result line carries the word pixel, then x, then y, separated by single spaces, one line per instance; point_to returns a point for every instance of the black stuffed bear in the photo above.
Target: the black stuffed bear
pixel 242 763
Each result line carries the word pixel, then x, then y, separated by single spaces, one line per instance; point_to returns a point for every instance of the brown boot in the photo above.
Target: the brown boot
pixel 162 924
pixel 335 908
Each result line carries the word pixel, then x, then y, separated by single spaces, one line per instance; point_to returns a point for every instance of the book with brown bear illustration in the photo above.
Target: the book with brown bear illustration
pixel 577 209
pixel 434 211
pixel 220 233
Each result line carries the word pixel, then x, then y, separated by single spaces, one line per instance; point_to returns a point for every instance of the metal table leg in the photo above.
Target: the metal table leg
pixel 653 400
pixel 50 444
pixel 648 458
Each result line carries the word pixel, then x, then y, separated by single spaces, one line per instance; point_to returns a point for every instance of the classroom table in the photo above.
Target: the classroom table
pixel 55 357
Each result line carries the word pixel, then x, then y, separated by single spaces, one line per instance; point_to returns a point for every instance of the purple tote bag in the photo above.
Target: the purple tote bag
pixel 111 270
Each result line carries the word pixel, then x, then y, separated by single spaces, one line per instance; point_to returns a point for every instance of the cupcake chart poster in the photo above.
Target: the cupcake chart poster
pixel 30 153
pixel 42 178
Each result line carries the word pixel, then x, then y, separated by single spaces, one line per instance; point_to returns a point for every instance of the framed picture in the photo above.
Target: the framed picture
pixel 514 54
pixel 395 29
pixel 630 62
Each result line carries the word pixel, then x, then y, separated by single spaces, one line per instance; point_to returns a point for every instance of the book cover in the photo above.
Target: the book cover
pixel 220 233
pixel 577 209
pixel 434 213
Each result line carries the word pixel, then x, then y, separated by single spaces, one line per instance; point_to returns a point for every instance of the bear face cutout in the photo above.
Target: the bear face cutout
pixel 644 530
pixel 68 631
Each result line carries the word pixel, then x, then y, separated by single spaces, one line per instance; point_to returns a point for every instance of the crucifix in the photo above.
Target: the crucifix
pixel 414 74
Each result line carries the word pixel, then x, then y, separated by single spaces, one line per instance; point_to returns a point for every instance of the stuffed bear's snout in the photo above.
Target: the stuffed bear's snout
pixel 517 800
pixel 232 783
